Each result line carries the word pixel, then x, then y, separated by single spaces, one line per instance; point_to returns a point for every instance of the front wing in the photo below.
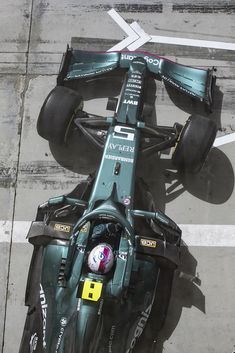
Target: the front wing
pixel 195 82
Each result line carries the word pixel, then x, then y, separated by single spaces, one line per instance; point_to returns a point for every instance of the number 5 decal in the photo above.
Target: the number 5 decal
pixel 123 132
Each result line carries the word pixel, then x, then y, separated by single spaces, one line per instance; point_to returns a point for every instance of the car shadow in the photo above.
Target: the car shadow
pixel 213 184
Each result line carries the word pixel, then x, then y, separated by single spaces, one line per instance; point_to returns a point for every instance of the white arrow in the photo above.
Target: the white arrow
pixel 132 35
pixel 143 37
pixel 137 37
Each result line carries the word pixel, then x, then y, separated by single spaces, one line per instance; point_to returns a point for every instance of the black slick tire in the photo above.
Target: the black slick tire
pixel 194 144
pixel 57 114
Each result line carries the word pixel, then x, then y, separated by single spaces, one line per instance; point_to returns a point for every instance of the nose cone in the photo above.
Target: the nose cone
pixel 138 64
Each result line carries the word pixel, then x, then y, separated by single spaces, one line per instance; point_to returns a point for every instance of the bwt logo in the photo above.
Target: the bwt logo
pixel 129 101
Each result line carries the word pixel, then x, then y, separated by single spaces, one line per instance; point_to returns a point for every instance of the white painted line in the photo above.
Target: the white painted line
pixel 20 231
pixel 132 35
pixel 193 42
pixel 208 235
pixel 192 234
pixel 137 37
pixel 143 37
pixel 223 140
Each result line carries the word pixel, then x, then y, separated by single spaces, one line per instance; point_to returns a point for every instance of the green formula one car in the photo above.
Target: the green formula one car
pixel 101 251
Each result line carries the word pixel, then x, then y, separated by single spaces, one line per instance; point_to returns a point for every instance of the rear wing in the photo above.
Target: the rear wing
pixel 195 82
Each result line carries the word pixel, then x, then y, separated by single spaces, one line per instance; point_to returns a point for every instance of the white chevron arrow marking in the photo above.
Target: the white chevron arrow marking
pixel 138 37
pixel 132 35
pixel 143 37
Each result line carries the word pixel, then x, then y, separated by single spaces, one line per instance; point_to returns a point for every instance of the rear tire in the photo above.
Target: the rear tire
pixel 194 144
pixel 58 113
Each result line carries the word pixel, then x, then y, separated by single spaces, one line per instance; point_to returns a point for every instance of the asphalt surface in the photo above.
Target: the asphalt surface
pixel 33 36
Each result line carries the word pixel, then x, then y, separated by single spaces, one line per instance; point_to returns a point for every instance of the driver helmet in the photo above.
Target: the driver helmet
pixel 101 258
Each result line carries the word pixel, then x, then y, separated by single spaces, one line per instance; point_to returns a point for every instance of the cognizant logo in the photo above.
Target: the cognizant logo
pixel 148 59
pixel 44 315
pixel 140 327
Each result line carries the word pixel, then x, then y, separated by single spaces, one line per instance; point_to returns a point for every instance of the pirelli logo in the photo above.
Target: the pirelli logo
pixel 148 243
pixel 62 227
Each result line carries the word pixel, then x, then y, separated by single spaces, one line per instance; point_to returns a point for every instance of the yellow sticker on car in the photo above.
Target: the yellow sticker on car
pixel 92 290
pixel 62 227
pixel 84 229
pixel 148 243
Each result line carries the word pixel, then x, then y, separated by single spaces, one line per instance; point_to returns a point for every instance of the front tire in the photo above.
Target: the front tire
pixel 58 113
pixel 194 144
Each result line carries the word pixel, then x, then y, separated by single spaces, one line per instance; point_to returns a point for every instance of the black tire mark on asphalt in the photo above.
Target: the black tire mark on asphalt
pixel 220 7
